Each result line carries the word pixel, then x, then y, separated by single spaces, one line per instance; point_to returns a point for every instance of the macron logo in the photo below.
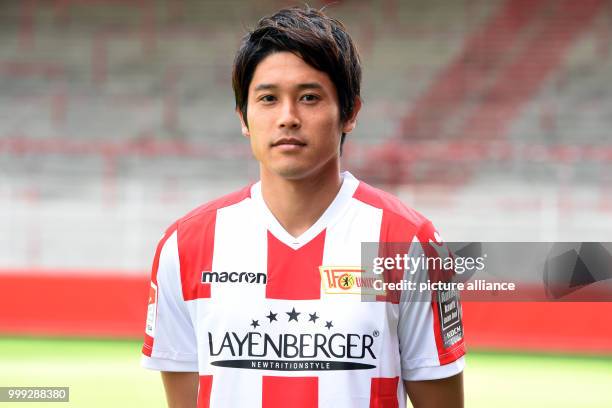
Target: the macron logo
pixel 234 277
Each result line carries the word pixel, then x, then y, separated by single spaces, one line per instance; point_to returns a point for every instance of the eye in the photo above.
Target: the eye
pixel 267 98
pixel 310 98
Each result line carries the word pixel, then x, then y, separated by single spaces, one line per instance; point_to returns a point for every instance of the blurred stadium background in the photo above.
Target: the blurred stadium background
pixel 493 117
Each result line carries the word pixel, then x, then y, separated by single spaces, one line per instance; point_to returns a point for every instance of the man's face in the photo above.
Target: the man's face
pixel 294 117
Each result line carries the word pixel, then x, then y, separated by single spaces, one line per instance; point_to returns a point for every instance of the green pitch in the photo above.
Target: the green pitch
pixel 106 373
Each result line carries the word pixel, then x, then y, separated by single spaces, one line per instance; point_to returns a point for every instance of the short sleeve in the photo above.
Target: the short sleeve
pixel 430 327
pixel 170 341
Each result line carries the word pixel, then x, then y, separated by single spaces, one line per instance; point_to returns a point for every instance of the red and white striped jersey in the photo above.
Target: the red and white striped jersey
pixel 239 300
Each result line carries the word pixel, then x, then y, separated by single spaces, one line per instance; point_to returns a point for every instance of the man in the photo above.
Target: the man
pixel 243 312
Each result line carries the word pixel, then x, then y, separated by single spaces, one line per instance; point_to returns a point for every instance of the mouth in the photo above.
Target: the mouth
pixel 289 141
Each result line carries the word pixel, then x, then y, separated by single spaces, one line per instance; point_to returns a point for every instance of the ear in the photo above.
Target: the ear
pixel 245 128
pixel 351 122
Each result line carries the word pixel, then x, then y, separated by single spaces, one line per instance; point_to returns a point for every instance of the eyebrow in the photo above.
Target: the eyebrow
pixel 307 85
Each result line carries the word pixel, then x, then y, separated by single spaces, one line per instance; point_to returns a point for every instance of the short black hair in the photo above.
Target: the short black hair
pixel 321 41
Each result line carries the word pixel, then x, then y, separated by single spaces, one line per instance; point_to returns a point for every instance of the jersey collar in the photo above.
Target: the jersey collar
pixel 335 209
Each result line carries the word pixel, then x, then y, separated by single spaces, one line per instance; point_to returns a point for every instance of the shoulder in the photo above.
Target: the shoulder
pixel 391 206
pixel 211 207
pixel 400 223
pixel 206 213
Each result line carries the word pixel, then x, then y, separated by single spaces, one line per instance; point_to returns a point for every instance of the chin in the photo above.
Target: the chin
pixel 292 173
pixel 295 170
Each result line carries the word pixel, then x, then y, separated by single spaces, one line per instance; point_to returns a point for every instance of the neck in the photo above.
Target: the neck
pixel 298 204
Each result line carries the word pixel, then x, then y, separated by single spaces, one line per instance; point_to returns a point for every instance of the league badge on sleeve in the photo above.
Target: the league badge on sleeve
pixel 151 310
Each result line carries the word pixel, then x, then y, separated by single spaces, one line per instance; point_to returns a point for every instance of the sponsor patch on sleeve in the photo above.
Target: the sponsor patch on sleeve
pixel 449 310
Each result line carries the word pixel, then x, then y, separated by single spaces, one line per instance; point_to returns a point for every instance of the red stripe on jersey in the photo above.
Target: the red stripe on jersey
pixel 294 273
pixel 399 225
pixel 429 240
pixel 196 243
pixel 383 392
pixel 147 347
pixel 294 392
pixel 398 231
pixel 204 391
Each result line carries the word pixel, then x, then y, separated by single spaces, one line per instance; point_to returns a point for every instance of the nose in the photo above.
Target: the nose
pixel 289 118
